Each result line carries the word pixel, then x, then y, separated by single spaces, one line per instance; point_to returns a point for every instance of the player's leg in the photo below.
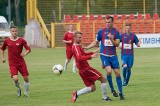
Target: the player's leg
pixel 124 74
pixel 68 59
pixel 119 83
pixel 124 65
pixel 74 66
pixel 128 75
pixel 115 66
pixel 14 75
pixel 82 91
pixel 26 85
pixel 17 84
pixel 106 65
pixel 130 64
pixel 65 64
pixel 24 72
pixel 104 89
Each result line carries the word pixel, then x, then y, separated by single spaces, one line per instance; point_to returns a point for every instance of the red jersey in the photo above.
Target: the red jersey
pixel 69 36
pixel 81 57
pixel 15 48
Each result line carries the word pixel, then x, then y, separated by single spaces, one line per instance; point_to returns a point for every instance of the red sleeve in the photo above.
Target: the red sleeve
pixel 79 54
pixel 89 53
pixel 4 45
pixel 65 36
pixel 26 46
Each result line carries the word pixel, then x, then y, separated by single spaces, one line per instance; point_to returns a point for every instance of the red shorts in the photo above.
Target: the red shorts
pixel 90 76
pixel 69 54
pixel 22 68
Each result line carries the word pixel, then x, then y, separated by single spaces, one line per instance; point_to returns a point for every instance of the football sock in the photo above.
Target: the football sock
pixel 124 73
pixel 26 87
pixel 119 83
pixel 17 84
pixel 109 78
pixel 128 75
pixel 104 90
pixel 74 66
pixel 65 64
pixel 84 91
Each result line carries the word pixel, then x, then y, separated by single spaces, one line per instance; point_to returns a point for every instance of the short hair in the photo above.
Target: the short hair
pixel 76 33
pixel 128 24
pixel 110 17
pixel 13 27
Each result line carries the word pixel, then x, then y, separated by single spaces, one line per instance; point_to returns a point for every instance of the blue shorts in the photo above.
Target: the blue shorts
pixel 110 61
pixel 127 59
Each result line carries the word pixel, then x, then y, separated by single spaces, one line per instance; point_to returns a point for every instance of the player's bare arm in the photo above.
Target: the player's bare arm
pixel 96 51
pixel 91 45
pixel 138 45
pixel 3 59
pixel 24 54
pixel 94 55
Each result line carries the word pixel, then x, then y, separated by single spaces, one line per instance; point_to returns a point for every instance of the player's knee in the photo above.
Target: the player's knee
pixel 125 66
pixel 117 74
pixel 15 78
pixel 26 78
pixel 93 88
pixel 103 80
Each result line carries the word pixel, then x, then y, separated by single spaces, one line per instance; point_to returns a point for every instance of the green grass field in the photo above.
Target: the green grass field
pixel 48 89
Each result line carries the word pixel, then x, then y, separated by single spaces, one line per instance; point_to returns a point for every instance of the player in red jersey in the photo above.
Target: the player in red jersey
pixel 68 40
pixel 15 45
pixel 88 74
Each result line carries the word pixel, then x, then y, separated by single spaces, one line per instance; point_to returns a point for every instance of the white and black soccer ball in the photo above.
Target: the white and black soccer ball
pixel 57 69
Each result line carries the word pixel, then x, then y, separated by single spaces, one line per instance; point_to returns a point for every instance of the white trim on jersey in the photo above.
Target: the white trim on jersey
pixel 14 39
pixel 94 73
pixel 76 48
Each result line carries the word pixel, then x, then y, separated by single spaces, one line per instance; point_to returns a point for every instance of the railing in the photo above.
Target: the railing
pixel 45 31
pixel 33 13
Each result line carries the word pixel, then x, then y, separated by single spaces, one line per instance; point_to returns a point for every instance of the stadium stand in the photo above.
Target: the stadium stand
pixel 155 16
pixel 140 23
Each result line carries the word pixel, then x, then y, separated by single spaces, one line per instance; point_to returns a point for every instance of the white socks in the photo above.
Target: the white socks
pixel 104 90
pixel 65 65
pixel 84 91
pixel 26 87
pixel 74 66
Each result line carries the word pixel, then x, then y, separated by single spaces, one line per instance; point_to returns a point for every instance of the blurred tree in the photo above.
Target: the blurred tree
pixel 17 12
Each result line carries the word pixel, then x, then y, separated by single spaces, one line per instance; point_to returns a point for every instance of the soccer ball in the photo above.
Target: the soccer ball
pixel 57 69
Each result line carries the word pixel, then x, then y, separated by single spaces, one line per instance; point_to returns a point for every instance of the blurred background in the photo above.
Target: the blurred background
pixel 87 15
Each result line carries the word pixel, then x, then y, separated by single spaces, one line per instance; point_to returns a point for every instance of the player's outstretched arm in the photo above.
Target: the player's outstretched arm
pixel 91 45
pixel 3 59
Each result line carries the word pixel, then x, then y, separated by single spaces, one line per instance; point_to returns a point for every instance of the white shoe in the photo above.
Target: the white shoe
pixel 26 94
pixel 19 92
pixel 74 71
pixel 65 68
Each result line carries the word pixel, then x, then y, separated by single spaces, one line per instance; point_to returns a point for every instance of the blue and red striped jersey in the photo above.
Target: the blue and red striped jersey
pixel 106 47
pixel 127 43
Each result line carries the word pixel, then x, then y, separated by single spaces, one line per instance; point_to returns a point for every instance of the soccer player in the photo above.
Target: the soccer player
pixel 68 40
pixel 15 45
pixel 127 52
pixel 88 74
pixel 109 39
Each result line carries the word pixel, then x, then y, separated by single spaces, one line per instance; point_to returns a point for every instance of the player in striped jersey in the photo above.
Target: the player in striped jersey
pixel 127 52
pixel 109 39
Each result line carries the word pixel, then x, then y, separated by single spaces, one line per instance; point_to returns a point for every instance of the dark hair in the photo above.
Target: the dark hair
pixel 128 24
pixel 76 33
pixel 110 17
pixel 13 27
